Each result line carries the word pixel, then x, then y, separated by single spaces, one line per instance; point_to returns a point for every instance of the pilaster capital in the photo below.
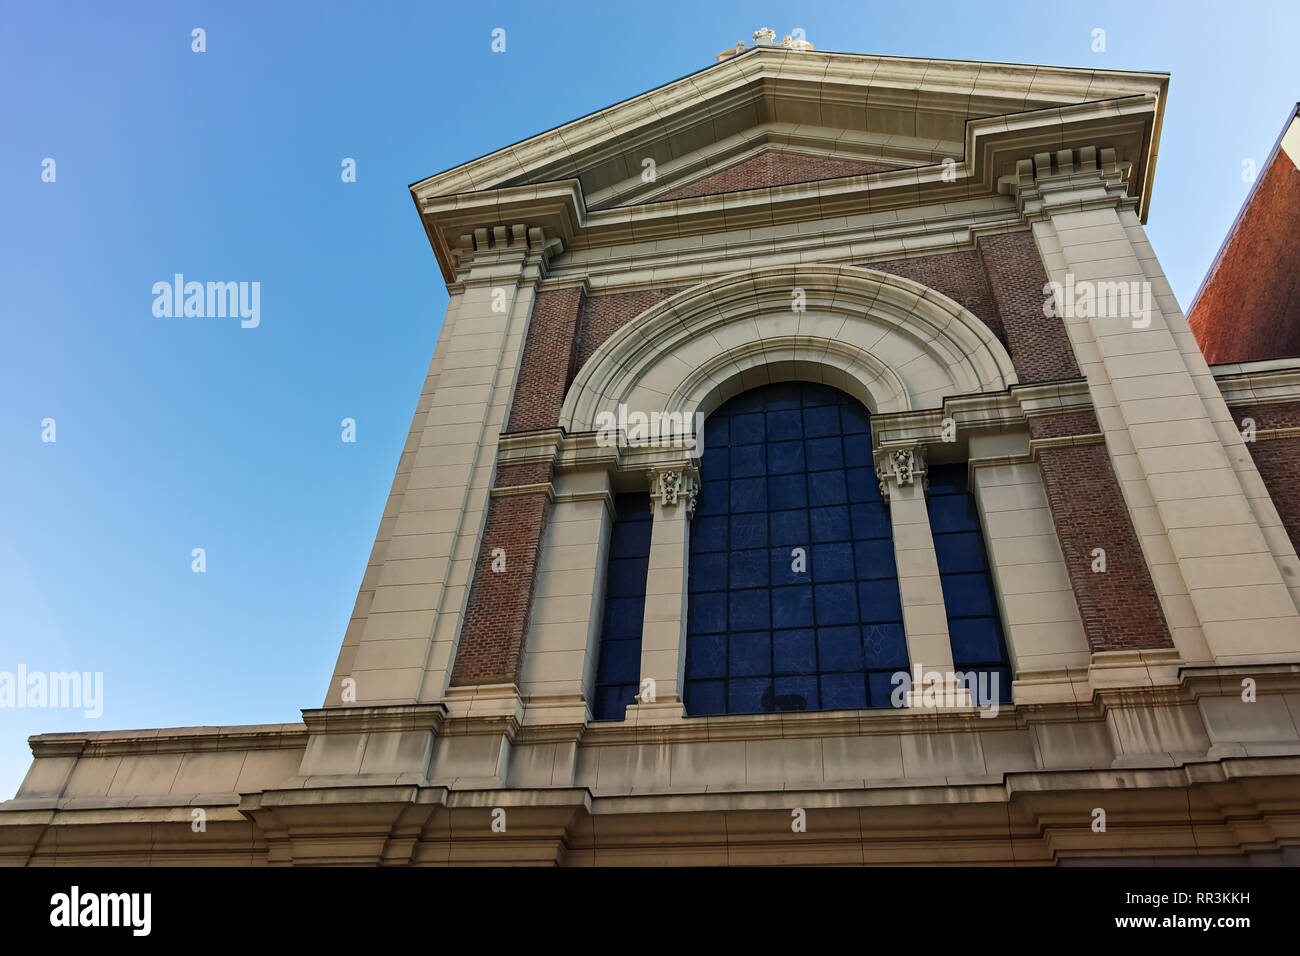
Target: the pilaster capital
pixel 1069 180
pixel 896 467
pixel 673 486
pixel 490 253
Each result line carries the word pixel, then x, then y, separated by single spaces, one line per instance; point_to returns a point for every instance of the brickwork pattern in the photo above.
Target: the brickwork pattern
pixel 1040 347
pixel 1082 422
pixel 958 275
pixel 1249 306
pixel 603 315
pixel 1277 459
pixel 491 648
pixel 773 167
pixel 548 357
pixel 1119 607
pixel 1268 415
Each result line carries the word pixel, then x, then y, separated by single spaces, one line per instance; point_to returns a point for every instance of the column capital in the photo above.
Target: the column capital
pixel 896 467
pixel 674 485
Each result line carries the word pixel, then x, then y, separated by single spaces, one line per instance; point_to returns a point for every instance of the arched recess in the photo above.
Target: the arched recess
pixel 890 342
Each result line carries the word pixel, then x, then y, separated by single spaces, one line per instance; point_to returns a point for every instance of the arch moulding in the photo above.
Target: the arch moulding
pixel 890 342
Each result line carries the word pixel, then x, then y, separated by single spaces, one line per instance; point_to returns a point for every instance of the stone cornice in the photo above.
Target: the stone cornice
pixel 1259 383
pixel 170 740
pixel 541 183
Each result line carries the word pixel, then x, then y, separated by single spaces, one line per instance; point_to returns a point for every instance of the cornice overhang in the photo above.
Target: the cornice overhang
pixel 993 115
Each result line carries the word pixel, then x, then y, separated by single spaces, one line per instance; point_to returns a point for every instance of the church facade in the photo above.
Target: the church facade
pixel 814 466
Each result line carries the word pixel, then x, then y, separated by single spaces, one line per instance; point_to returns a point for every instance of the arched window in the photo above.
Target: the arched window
pixel 793 599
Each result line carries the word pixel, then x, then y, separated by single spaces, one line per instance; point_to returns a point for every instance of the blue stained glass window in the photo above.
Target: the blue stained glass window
pixel 789 466
pixel 974 627
pixel 618 671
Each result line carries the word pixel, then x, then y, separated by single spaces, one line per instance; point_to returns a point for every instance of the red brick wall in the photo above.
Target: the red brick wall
pixel 1268 415
pixel 958 275
pixel 548 355
pixel 491 647
pixel 1001 283
pixel 773 168
pixel 603 315
pixel 1278 459
pixel 1249 306
pixel 1040 347
pixel 1067 423
pixel 1119 607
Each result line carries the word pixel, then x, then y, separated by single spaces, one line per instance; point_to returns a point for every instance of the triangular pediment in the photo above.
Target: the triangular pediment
pixel 864 111
pixel 759 127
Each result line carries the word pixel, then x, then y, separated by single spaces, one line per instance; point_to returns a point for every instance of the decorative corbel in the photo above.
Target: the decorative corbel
pixel 673 486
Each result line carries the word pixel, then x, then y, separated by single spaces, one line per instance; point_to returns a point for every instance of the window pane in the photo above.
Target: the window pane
pixel 973 624
pixel 618 667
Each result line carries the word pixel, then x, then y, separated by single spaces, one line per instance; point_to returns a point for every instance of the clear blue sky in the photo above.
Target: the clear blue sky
pixel 174 434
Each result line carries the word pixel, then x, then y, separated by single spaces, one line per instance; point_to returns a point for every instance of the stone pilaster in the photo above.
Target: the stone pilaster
pixel 901 472
pixel 663 636
pixel 1186 482
pixel 402 650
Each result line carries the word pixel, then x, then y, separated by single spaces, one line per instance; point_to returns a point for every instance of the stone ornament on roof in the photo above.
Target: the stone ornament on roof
pixel 765 36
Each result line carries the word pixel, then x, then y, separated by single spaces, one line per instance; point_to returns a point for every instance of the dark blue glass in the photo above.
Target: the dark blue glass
pixel 706 656
pixel 878 600
pixel 748 429
pixel 708 533
pixel 748 494
pixel 833 562
pixel 618 667
pixel 784 425
pixel 748 610
pixel 836 604
pixel 708 571
pixel 751 654
pixel 874 558
pixel 790 527
pixel 830 524
pixel 786 457
pixel 748 461
pixel 974 627
pixel 843 691
pixel 793 593
pixel 825 453
pixel 827 488
pixel 749 531
pixel 788 491
pixel 839 649
pixel 708 613
pixel 792 607
pixel 786 569
pixel 749 569
pixel 819 422
pixel 795 652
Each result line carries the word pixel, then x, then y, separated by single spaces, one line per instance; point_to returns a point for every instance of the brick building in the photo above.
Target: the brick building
pixel 970 557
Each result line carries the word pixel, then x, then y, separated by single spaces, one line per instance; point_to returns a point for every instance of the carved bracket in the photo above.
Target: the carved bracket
pixel 670 487
pixel 899 466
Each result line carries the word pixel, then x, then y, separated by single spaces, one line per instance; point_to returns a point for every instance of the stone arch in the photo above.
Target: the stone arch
pixel 890 342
